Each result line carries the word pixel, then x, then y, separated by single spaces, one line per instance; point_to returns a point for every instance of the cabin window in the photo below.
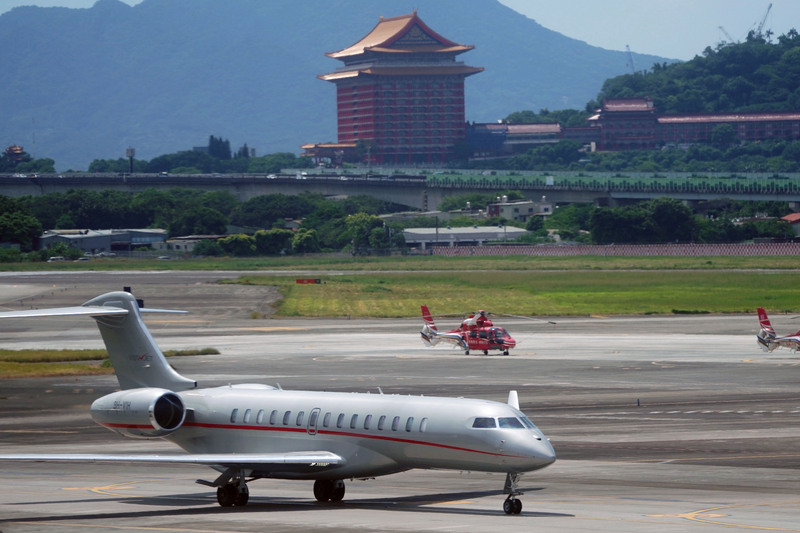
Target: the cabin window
pixel 312 419
pixel 273 417
pixel 300 416
pixel 326 420
pixel 381 422
pixel 367 421
pixel 409 423
pixel 484 423
pixel 395 423
pixel 353 421
pixel 234 414
pixel 340 420
pixel 510 422
pixel 260 417
pixel 286 417
pixel 423 425
pixel 246 418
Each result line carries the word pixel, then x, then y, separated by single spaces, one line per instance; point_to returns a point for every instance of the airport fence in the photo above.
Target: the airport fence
pixel 629 250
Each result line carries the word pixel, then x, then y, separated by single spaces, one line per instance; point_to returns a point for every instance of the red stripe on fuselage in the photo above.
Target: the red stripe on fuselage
pixel 319 432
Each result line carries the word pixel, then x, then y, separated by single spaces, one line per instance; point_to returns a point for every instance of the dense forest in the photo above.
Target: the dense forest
pixel 277 224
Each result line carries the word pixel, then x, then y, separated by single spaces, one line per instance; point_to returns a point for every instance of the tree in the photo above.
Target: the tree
pixel 218 148
pixel 359 227
pixel 198 221
pixel 238 245
pixel 723 135
pixel 19 228
pixel 305 241
pixel 673 220
pixel 274 241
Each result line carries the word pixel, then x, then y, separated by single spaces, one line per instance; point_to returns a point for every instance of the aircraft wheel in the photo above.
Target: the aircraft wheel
pixel 516 508
pixel 338 491
pixel 505 352
pixel 227 494
pixel 508 506
pixel 323 489
pixel 242 497
pixel 486 352
pixel 466 352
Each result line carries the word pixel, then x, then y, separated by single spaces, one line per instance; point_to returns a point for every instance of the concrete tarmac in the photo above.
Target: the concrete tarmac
pixel 664 424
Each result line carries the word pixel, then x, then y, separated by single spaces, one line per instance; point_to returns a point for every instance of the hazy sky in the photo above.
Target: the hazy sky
pixel 678 29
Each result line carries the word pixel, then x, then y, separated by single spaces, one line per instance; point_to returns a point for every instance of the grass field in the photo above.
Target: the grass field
pixel 420 263
pixel 39 363
pixel 547 293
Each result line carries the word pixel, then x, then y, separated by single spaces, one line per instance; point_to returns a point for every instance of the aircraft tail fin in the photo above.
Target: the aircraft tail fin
pixel 767 333
pixel 427 318
pixel 137 360
pixel 763 319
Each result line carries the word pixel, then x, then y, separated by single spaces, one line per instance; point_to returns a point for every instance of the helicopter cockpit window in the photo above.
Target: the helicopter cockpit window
pixel 510 422
pixel 484 423
pixel 499 332
pixel 482 334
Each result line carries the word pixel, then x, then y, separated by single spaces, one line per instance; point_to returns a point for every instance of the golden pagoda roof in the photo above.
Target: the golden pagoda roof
pixel 403 34
pixel 401 71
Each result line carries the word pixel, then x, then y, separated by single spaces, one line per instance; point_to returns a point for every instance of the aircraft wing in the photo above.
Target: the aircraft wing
pixel 242 460
pixel 65 311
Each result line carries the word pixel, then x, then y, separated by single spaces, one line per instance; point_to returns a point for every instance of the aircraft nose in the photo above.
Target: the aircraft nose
pixel 540 453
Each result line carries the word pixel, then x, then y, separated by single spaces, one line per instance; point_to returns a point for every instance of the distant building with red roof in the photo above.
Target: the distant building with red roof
pixel 635 124
pixel 401 92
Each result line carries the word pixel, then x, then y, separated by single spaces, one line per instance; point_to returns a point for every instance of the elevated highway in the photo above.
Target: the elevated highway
pixel 427 190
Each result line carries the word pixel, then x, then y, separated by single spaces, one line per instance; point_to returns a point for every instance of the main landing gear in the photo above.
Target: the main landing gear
pixel 512 505
pixel 329 490
pixel 231 494
pixel 232 489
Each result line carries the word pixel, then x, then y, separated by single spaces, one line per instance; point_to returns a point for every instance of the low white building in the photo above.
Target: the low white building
pixel 105 240
pixel 423 238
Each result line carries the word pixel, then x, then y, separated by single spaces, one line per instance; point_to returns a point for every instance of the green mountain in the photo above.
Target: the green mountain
pixel 162 76
pixel 751 76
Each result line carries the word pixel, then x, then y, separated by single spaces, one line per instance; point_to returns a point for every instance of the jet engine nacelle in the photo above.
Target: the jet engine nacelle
pixel 140 413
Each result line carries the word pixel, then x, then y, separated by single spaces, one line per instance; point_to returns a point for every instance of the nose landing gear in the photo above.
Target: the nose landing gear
pixel 512 505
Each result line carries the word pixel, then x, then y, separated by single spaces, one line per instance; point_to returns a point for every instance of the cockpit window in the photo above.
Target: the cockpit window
pixel 525 419
pixel 484 423
pixel 510 422
pixel 499 333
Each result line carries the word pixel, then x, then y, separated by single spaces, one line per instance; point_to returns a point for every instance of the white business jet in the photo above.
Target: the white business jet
pixel 252 431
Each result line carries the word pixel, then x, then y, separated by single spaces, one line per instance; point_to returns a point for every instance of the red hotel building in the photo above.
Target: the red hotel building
pixel 401 91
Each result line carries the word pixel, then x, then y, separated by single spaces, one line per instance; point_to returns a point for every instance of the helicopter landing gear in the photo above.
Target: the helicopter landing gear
pixel 486 352
pixel 466 352
pixel 329 490
pixel 505 352
pixel 512 505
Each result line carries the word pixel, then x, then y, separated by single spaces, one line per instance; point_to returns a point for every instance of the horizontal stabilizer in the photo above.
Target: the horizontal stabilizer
pixel 65 311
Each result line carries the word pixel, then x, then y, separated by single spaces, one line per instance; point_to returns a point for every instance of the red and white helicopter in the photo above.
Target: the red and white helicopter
pixel 476 332
pixel 768 340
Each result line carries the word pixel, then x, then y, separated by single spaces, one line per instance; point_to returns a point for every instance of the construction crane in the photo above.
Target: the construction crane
pixel 731 40
pixel 763 21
